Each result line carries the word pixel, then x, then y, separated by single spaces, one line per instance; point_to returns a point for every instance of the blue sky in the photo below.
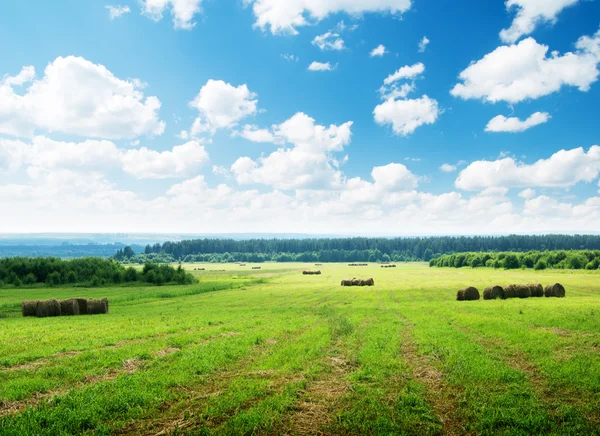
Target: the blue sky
pixel 200 116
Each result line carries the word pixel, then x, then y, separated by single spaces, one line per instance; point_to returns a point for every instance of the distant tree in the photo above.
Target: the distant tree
pixel 29 279
pixel 428 254
pixel 511 261
pixel 54 279
pixel 540 265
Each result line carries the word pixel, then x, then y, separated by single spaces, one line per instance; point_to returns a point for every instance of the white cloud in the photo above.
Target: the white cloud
pixel 182 161
pixel 255 134
pixel 527 193
pixel 423 44
pixel 320 66
pixel 220 170
pixel 329 41
pixel 221 105
pixel 406 72
pixel 406 116
pixel 500 123
pixel 78 97
pixel 563 169
pixel 306 164
pixel 286 17
pixel 378 51
pixel 290 57
pixel 117 11
pixel 448 168
pixel 183 11
pixel 524 71
pixel 531 13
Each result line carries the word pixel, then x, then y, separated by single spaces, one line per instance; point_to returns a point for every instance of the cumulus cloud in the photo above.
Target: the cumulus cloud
pixel 76 96
pixel 183 11
pixel 320 66
pixel 406 72
pixel 406 116
pixel 423 44
pixel 307 163
pixel 448 168
pixel 378 51
pixel 255 134
pixel 221 105
pixel 563 169
pixel 286 17
pixel 329 41
pixel 117 11
pixel 525 71
pixel 182 161
pixel 500 123
pixel 527 193
pixel 531 13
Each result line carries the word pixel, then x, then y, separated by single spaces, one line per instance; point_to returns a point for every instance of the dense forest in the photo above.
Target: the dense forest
pixel 539 260
pixel 350 249
pixel 64 250
pixel 89 271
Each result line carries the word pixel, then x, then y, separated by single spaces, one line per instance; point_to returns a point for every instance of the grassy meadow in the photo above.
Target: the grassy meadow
pixel 272 351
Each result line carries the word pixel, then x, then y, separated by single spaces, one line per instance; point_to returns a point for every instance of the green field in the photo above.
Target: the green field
pixel 271 351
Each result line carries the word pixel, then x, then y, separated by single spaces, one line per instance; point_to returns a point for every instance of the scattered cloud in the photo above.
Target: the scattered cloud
pixel 286 17
pixel 320 66
pixel 525 71
pixel 423 44
pixel 527 193
pixel 378 51
pixel 531 13
pixel 221 105
pixel 500 123
pixel 117 11
pixel 329 41
pixel 406 116
pixel 255 134
pixel 448 168
pixel 76 96
pixel 406 72
pixel 182 11
pixel 290 57
pixel 563 169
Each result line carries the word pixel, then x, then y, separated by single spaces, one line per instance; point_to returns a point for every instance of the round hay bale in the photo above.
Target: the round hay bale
pixel 536 290
pixel 105 301
pixel 28 307
pixel 346 282
pixel 523 291
pixel 555 290
pixel 493 292
pixel 370 282
pixel 471 293
pixel 361 282
pixel 510 291
pixel 69 307
pixel 95 306
pixel 305 272
pixel 460 295
pixel 355 282
pixel 82 303
pixel 45 308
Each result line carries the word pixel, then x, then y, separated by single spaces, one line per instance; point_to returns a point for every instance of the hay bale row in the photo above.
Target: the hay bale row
pixel 388 266
pixel 311 273
pixel 518 291
pixel 358 264
pixel 468 294
pixel 68 307
pixel 359 282
pixel 256 267
pixel 198 269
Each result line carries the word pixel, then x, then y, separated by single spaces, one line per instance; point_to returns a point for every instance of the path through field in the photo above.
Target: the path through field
pixel 273 351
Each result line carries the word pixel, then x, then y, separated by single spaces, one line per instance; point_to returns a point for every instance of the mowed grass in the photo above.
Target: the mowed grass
pixel 272 351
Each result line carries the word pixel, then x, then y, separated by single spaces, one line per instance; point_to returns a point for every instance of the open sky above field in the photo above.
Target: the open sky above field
pixel 391 117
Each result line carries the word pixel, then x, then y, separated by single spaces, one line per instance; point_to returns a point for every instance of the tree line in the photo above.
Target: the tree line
pixel 538 260
pixel 358 249
pixel 89 271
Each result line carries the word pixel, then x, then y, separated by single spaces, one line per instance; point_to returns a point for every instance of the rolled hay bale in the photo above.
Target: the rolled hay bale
pixel 493 292
pixel 355 282
pixel 46 308
pixel 555 290
pixel 460 295
pixel 361 282
pixel 28 307
pixel 105 301
pixel 510 291
pixel 471 293
pixel 536 290
pixel 346 282
pixel 370 282
pixel 69 307
pixel 95 306
pixel 305 272
pixel 82 303
pixel 523 291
